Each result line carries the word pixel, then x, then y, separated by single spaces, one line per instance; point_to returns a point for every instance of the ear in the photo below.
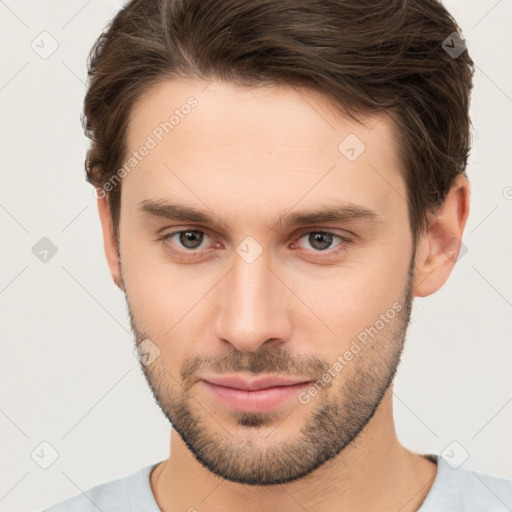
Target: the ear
pixel 109 241
pixel 439 247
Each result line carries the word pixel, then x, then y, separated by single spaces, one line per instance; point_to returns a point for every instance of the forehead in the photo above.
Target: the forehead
pixel 259 148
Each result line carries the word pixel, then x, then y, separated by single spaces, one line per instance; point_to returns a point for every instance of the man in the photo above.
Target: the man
pixel 276 181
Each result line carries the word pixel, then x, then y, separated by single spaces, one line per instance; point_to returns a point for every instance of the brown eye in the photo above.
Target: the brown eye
pixel 186 242
pixel 190 239
pixel 321 243
pixel 320 240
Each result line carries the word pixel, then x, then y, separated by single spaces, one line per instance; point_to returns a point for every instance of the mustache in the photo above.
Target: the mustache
pixel 268 361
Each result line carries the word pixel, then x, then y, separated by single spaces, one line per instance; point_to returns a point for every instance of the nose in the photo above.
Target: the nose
pixel 254 306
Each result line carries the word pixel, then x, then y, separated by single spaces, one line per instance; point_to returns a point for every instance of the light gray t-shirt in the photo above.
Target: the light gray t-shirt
pixel 453 490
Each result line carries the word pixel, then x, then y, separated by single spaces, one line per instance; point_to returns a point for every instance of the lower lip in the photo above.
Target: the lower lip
pixel 255 401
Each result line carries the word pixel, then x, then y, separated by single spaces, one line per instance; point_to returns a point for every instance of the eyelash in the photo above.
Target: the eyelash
pixel 197 253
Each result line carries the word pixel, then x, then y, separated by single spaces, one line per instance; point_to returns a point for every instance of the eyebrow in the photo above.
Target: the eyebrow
pixel 341 212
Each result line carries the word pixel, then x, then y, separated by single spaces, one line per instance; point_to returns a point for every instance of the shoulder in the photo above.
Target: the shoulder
pixel 463 490
pixel 113 496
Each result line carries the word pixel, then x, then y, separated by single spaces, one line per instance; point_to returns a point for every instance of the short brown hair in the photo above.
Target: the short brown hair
pixel 368 56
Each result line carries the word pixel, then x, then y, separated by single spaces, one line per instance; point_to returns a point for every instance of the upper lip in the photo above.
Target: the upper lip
pixel 266 381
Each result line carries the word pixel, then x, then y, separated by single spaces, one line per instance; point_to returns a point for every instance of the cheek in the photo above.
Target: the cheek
pixel 351 297
pixel 153 296
pixel 168 301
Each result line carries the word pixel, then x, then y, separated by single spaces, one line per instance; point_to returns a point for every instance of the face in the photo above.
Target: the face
pixel 252 283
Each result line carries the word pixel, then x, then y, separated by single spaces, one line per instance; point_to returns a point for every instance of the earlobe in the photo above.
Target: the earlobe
pixel 109 242
pixel 440 246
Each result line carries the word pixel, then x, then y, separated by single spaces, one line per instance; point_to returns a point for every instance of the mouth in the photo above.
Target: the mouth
pixel 257 395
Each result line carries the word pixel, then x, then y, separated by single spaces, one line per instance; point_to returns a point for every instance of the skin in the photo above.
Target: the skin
pixel 249 155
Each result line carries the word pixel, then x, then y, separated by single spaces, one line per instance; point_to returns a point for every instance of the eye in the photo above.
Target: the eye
pixel 190 239
pixel 321 241
pixel 189 243
pixel 186 243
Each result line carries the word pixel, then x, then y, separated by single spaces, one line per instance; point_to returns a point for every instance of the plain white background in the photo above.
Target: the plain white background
pixel 68 373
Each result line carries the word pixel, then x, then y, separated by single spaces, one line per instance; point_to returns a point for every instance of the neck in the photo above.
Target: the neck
pixel 374 473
